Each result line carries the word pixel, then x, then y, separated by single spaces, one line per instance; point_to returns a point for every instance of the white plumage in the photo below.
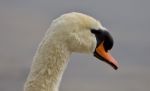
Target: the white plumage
pixel 68 33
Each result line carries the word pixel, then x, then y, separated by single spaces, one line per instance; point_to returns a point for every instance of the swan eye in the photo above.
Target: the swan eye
pixel 105 36
pixel 99 35
pixel 94 31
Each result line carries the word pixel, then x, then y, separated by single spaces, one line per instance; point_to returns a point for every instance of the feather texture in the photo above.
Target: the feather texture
pixel 68 33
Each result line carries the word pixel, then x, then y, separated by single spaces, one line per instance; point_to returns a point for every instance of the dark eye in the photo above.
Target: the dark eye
pixel 105 36
pixel 94 31
pixel 99 35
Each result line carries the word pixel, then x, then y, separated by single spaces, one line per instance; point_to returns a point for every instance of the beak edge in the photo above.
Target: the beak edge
pixel 106 56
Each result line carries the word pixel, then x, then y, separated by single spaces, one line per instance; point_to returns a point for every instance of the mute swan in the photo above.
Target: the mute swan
pixel 71 32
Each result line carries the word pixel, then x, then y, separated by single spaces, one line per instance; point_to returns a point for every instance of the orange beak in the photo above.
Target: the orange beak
pixel 106 56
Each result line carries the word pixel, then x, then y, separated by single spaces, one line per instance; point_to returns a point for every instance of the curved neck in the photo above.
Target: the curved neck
pixel 48 66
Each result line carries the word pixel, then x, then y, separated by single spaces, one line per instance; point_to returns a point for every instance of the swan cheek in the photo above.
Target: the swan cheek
pixel 93 45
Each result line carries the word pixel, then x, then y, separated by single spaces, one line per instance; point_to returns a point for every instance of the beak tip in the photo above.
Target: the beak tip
pixel 103 55
pixel 116 68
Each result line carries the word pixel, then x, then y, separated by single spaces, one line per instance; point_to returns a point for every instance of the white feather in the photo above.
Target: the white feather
pixel 68 33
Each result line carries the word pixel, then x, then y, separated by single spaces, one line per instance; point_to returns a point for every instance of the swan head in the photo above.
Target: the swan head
pixel 84 34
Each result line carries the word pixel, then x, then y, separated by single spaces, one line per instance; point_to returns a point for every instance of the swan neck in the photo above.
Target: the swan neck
pixel 48 66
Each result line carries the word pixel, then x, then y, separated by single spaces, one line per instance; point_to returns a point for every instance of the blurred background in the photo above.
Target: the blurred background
pixel 24 22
